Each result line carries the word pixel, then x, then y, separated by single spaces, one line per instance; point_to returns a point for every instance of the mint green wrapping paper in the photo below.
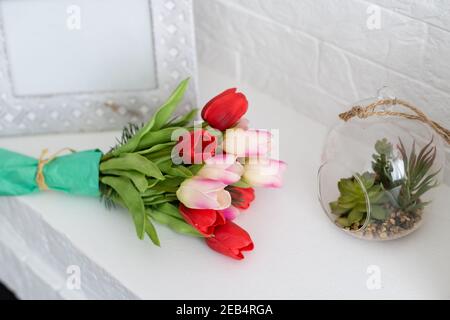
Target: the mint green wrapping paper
pixel 76 173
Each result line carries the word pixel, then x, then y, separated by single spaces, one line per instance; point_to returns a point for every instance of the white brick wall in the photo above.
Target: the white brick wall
pixel 319 56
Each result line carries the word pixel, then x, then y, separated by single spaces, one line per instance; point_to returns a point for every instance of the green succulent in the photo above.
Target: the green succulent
pixel 351 205
pixel 382 165
pixel 418 179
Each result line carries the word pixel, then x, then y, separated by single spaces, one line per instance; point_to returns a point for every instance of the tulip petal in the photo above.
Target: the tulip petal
pixel 224 199
pixel 230 213
pixel 203 184
pixel 205 221
pixel 241 198
pixel 237 168
pixel 223 160
pixel 230 239
pixel 195 199
pixel 265 174
pixel 207 108
pixel 225 110
pixel 224 176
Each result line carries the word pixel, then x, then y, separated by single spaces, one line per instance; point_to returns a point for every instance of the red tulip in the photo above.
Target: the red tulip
pixel 225 110
pixel 241 197
pixel 197 146
pixel 230 239
pixel 204 220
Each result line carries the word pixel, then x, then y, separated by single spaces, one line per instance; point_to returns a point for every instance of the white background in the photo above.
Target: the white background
pixel 320 56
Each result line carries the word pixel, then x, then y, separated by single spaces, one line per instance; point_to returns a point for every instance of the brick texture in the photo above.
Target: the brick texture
pixel 321 56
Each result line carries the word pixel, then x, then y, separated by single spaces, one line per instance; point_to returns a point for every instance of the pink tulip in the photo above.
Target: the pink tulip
pixel 242 124
pixel 247 143
pixel 201 193
pixel 264 173
pixel 230 213
pixel 223 168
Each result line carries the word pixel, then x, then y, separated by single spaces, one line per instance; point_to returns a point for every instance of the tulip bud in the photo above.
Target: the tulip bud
pixel 200 193
pixel 241 197
pixel 204 220
pixel 225 110
pixel 266 174
pixel 230 239
pixel 223 168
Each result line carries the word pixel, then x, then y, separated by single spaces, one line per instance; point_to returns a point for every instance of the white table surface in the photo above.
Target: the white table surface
pixel 298 253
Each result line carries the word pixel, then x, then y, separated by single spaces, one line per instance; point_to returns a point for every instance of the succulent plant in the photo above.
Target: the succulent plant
pixel 418 179
pixel 397 185
pixel 351 206
pixel 382 165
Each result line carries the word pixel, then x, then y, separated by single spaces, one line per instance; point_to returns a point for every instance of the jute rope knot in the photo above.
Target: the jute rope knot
pixel 42 162
pixel 363 112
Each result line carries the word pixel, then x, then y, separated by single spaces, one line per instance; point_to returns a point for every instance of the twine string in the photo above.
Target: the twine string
pixel 42 162
pixel 363 112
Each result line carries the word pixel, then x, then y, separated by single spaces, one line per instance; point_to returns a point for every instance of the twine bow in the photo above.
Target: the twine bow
pixel 363 112
pixel 42 162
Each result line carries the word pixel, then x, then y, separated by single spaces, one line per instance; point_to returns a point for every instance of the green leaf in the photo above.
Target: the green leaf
pixel 378 213
pixel 367 179
pixel 344 222
pixel 152 182
pixel 158 147
pixel 156 122
pixel 345 186
pixel 158 158
pixel 355 216
pixel 160 200
pixel 155 199
pixel 176 224
pixel 347 205
pixel 132 200
pixel 376 195
pixel 151 192
pixel 165 112
pixel 348 198
pixel 337 209
pixel 170 209
pixel 138 179
pixel 133 161
pixel 241 184
pixel 183 120
pixel 151 232
pixel 154 138
pixel 418 180
pixel 169 185
pixel 195 168
pixel 175 170
pixel 384 147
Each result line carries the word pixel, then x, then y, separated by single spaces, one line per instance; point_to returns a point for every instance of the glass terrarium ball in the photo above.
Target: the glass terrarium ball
pixel 379 174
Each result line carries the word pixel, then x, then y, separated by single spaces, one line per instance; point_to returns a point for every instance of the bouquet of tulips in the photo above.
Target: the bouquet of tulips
pixel 193 176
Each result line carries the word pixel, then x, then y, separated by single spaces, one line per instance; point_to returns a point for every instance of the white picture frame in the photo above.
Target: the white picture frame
pixel 30 107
